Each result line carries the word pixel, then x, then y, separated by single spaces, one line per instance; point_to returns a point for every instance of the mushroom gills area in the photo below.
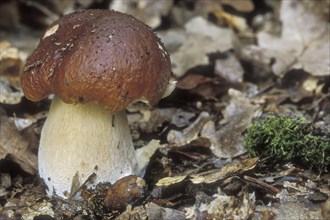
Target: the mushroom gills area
pixel 82 139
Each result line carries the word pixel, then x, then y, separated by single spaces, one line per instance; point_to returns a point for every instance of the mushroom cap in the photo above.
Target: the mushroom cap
pixel 100 56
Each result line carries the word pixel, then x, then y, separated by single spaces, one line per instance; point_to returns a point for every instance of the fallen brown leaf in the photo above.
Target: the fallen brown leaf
pixel 14 145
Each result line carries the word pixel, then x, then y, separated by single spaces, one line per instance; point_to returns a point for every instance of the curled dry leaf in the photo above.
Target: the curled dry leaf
pixel 166 181
pixel 17 147
pixel 224 172
pixel 191 81
pixel 190 133
pixel 228 140
pixel 144 154
pixel 212 176
pixel 206 87
pixel 192 53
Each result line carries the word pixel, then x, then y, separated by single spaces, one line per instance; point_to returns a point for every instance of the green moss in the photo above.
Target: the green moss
pixel 286 139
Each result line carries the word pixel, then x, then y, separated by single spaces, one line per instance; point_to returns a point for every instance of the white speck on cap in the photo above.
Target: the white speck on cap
pixel 162 49
pixel 50 31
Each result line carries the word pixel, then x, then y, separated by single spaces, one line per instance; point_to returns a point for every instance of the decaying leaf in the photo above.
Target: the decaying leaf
pixel 229 68
pixel 17 147
pixel 145 153
pixel 8 95
pixel 304 42
pixel 157 212
pixel 193 53
pixel 138 212
pixel 228 140
pixel 212 176
pixel 204 86
pixel 224 172
pixel 190 133
pixel 300 84
pixel 287 210
pixel 172 38
pixel 236 22
pixel 38 208
pixel 166 181
pixel 151 120
pixel 221 206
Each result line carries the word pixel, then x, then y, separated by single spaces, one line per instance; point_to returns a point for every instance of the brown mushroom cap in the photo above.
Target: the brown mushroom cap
pixel 98 56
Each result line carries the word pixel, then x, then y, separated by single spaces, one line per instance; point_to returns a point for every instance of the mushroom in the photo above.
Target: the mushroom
pixel 96 63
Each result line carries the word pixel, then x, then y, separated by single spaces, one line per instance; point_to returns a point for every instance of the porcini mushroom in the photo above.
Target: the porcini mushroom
pixel 95 62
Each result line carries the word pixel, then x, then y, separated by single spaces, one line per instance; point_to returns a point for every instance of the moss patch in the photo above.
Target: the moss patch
pixel 286 139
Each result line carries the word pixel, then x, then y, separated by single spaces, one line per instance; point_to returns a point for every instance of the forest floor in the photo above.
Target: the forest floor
pixel 236 63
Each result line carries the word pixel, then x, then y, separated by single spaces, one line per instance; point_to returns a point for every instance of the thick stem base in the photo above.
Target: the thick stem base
pixel 79 140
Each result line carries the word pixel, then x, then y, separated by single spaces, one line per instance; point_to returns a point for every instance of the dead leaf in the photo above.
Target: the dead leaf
pixel 261 184
pixel 14 145
pixel 157 212
pixel 144 154
pixel 204 86
pixel 150 121
pixel 172 38
pixel 166 181
pixel 138 212
pixel 224 172
pixel 202 39
pixel 288 210
pixel 8 95
pixel 304 42
pixel 190 133
pixel 238 23
pixel 191 81
pixel 300 84
pixel 212 176
pixel 228 140
pixel 221 206
pixel 229 68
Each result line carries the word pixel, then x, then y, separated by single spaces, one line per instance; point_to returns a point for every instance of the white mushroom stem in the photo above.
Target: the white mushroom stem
pixel 82 139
